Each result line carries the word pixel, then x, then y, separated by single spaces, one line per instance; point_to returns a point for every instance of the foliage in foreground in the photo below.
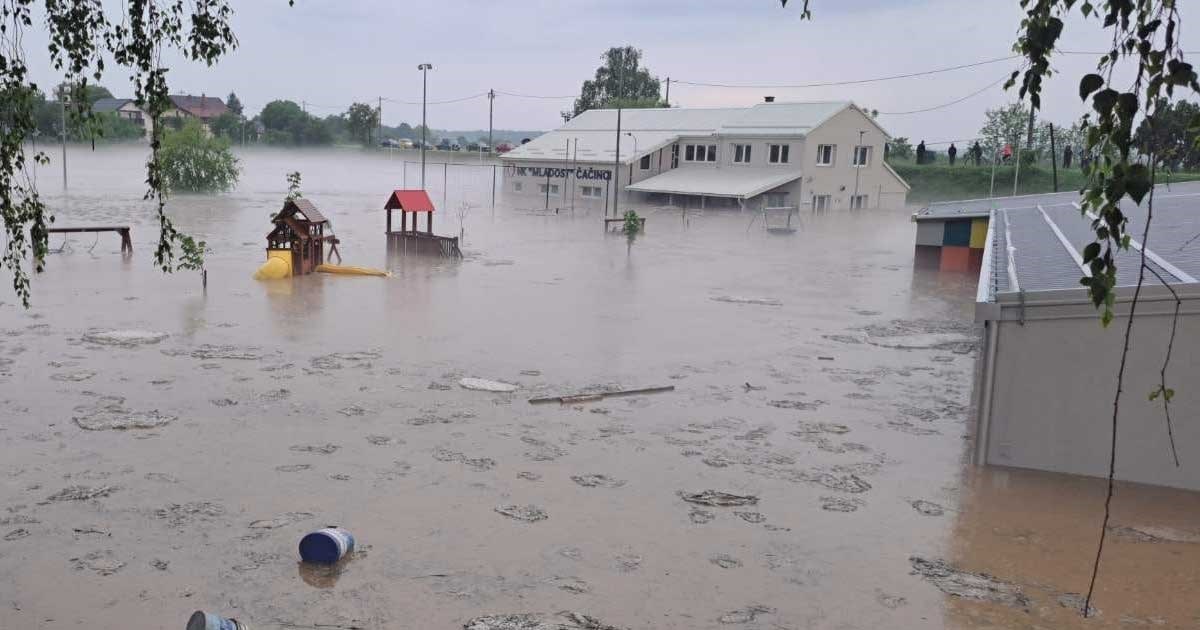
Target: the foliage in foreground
pixel 194 162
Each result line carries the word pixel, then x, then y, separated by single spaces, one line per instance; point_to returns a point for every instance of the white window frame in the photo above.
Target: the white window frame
pixel 644 163
pixel 821 203
pixel 832 150
pixel 591 191
pixel 543 188
pixel 712 153
pixel 861 152
pixel 742 153
pixel 859 202
pixel 554 189
pixel 779 153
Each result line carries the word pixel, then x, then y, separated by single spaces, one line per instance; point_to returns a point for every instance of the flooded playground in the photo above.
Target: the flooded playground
pixel 164 446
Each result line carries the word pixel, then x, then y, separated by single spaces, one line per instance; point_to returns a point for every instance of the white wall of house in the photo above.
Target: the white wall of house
pixel 131 111
pixel 835 178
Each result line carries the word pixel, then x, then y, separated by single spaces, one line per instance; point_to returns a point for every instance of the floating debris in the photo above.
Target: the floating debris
pixel 124 337
pixel 725 561
pixel 745 615
pixel 289 468
pixel 161 565
pixel 529 476
pixel 479 464
pixel 484 385
pixel 542 450
pixel 701 517
pixel 958 583
pixel 528 513
pixel 846 482
pixel 890 601
pixel 115 417
pixel 597 481
pixel 732 299
pixel 320 449
pixel 572 399
pixel 181 514
pixel 383 440
pixel 209 352
pixel 74 377
pixel 927 508
pixel 905 426
pixel 751 517
pixel 100 562
pixel 628 562
pixel 80 493
pixel 1075 601
pixel 717 498
pixel 352 411
pixel 282 520
pixel 841 504
pixel 820 427
pixel 440 386
pixel 572 585
pixel 224 402
pixel 16 534
pixel 799 405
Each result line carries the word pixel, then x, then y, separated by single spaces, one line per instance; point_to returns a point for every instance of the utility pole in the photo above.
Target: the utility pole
pixel 304 106
pixel 1029 136
pixel 491 103
pixel 616 176
pixel 424 68
pixel 64 136
pixel 668 91
pixel 379 114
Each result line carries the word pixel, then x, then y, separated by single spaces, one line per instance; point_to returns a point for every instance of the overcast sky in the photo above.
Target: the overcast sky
pixel 333 52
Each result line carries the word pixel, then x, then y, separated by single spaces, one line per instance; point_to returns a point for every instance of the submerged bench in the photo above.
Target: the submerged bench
pixel 123 230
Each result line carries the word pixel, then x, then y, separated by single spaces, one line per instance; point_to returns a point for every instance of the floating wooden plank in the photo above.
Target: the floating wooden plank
pixel 570 399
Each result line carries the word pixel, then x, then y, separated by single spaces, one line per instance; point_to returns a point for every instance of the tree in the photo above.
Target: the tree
pixel 361 121
pixel 900 148
pixel 227 125
pixel 234 104
pixel 282 116
pixel 91 93
pixel 81 38
pixel 194 162
pixel 620 80
pixel 1173 134
pixel 1006 125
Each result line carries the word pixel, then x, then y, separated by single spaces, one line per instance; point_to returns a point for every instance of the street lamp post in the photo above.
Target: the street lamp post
pixel 424 68
pixel 635 154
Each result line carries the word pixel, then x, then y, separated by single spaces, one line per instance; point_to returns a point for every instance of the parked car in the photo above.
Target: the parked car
pixel 405 144
pixel 503 147
pixel 389 143
pixel 455 147
pixel 444 145
pixel 473 147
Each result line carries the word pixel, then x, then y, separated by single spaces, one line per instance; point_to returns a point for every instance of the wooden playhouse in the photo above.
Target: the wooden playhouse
pixel 299 237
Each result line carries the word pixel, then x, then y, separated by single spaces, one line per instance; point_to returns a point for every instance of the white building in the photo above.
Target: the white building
pixel 821 155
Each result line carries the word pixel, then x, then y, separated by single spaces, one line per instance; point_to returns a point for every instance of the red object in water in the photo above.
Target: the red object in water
pixel 503 147
pixel 409 201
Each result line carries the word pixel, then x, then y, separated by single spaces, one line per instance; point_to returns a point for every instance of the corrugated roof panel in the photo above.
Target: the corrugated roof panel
pixel 727 182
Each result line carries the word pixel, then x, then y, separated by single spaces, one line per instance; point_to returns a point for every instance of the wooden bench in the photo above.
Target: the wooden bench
pixel 123 230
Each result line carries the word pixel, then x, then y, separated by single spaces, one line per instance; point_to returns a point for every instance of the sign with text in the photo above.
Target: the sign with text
pixel 561 173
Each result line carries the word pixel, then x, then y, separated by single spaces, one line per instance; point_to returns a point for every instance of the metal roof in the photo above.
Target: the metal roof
pixel 415 200
pixel 1038 247
pixel 738 183
pixel 594 131
pixel 977 208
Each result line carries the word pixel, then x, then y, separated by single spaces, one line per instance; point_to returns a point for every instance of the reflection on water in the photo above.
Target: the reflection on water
pixel 819 372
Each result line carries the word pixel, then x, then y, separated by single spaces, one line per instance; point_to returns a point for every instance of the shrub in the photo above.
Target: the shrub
pixel 193 161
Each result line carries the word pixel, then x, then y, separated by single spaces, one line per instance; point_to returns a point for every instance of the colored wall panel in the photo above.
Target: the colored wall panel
pixel 955 258
pixel 930 233
pixel 957 233
pixel 978 233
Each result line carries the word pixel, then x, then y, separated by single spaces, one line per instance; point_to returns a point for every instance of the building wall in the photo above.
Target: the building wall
pixel 882 187
pixel 571 186
pixel 133 112
pixel 1052 387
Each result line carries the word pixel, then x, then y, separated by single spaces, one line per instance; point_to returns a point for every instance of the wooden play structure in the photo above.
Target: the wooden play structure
pixel 296 246
pixel 411 239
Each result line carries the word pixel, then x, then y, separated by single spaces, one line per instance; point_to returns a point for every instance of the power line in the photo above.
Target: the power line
pixel 954 102
pixel 447 101
pixel 854 81
pixel 536 95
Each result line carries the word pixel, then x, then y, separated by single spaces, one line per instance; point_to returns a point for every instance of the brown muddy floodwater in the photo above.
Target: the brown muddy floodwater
pixel 819 378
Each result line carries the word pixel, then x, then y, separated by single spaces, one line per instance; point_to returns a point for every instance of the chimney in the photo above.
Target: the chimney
pixel 768 99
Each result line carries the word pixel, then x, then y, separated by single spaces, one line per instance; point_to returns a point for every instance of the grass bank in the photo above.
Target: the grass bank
pixel 941 182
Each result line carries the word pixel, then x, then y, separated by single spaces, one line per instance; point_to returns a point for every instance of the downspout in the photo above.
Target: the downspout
pixel 984 425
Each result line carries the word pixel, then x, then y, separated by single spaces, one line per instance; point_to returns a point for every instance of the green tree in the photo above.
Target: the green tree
pixel 620 80
pixel 284 117
pixel 1005 125
pixel 195 162
pixel 1173 135
pixel 234 104
pixel 900 148
pixel 361 122
pixel 110 126
pixel 227 125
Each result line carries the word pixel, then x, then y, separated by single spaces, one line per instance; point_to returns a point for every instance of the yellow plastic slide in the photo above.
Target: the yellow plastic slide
pixel 349 270
pixel 273 269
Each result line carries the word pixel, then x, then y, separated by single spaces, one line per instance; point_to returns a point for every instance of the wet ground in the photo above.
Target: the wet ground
pixel 164 447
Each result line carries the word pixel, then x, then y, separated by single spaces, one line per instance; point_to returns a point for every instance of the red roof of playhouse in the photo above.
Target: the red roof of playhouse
pixel 409 201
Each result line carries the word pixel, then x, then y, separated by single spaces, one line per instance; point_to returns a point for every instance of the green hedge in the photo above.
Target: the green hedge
pixel 944 182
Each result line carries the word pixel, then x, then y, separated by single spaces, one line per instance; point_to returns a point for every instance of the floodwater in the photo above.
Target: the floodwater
pixel 821 383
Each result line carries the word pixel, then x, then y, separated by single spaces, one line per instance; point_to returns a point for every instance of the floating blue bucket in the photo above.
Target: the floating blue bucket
pixel 326 546
pixel 201 620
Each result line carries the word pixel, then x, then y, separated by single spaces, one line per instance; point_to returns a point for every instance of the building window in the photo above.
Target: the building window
pixel 777 199
pixel 778 153
pixel 674 156
pixel 741 153
pixel 516 186
pixel 689 153
pixel 712 153
pixel 591 191
pixel 645 164
pixel 858 202
pixel 862 156
pixel 821 202
pixel 700 153
pixel 551 188
pixel 826 154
